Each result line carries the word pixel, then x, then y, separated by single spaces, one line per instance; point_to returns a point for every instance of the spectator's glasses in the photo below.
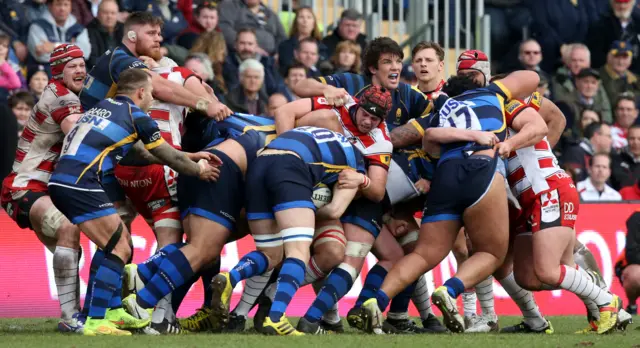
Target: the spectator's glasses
pixel 535 53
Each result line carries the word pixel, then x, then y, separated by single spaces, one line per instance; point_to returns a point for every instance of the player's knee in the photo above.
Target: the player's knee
pixel 460 252
pixel 329 246
pixel 545 274
pixel 631 276
pixel 527 280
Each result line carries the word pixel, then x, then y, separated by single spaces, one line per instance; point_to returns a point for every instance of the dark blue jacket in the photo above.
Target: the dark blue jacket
pixel 272 79
pixel 173 26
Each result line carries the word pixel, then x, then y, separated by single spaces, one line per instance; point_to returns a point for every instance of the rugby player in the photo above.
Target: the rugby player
pixel 478 205
pixel 25 195
pixel 102 136
pixel 279 189
pixel 427 60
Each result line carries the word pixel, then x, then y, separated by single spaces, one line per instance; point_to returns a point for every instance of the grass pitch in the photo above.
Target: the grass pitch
pixel 40 332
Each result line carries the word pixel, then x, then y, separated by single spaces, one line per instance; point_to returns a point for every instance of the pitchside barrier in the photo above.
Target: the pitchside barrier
pixel 27 286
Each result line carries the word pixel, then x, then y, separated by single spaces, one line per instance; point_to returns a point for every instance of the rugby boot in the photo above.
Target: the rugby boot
pixel 220 301
pixel 334 327
pixel 447 305
pixel 355 318
pixel 198 322
pixel 73 325
pixel 632 309
pixel 609 315
pixel 525 328
pixel 280 328
pixel 433 325
pixel 164 328
pixel 372 317
pixel 123 320
pixel 132 306
pixel 484 323
pixel 309 328
pixel 131 281
pixel 264 306
pixel 624 319
pixel 237 323
pixel 102 327
pixel 401 326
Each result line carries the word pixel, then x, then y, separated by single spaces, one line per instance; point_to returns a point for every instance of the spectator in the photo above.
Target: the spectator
pixel 556 23
pixel 348 29
pixel 212 44
pixel 201 65
pixel 427 60
pixel 56 26
pixel 174 21
pixel 38 79
pixel 347 58
pixel 543 87
pixel 248 97
pixel 238 14
pixel 21 104
pixel 574 132
pixel 205 21
pixel 631 193
pixel 296 73
pixel 616 77
pixel 626 112
pixel 276 100
pixel 530 57
pixel 307 54
pixel 595 187
pixel 82 11
pixel 305 26
pixel 9 79
pixel 563 83
pixel 246 47
pixel 105 32
pixel 626 165
pixel 13 14
pixel 621 23
pixel 597 139
pixel 36 9
pixel 628 264
pixel 8 139
pixel 586 95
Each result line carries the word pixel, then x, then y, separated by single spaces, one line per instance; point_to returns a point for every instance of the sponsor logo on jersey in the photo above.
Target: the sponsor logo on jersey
pixel 157 204
pixel 550 210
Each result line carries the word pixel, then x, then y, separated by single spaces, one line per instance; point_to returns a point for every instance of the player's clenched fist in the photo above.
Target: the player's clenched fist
pixel 336 96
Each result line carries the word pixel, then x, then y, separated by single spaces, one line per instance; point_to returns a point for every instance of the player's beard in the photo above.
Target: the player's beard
pixel 154 53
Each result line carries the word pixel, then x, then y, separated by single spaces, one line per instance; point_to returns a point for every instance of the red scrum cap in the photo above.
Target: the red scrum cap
pixel 60 56
pixel 377 101
pixel 475 60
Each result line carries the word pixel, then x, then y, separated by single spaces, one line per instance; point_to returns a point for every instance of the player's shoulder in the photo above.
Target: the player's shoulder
pixel 56 95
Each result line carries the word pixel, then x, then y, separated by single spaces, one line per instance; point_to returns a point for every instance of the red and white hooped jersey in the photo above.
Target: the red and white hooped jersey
pixel 39 146
pixel 532 169
pixel 170 117
pixel 375 146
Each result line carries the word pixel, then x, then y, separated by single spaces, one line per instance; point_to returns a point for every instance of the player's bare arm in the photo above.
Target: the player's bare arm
pixel 531 129
pixel 404 136
pixel 450 135
pixel 313 88
pixel 340 201
pixel 372 186
pixel 67 124
pixel 521 84
pixel 555 120
pixel 299 114
pixel 179 162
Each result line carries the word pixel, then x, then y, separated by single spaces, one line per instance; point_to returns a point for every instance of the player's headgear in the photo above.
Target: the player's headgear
pixel 475 60
pixel 376 100
pixel 60 56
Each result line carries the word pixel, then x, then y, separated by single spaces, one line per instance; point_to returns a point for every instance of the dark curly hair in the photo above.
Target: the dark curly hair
pixel 376 48
pixel 459 84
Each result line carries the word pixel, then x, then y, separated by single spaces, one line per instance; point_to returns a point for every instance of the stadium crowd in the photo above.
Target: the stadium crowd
pixel 254 66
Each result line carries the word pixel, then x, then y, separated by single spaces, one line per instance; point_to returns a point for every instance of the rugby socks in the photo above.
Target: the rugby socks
pixel 484 291
pixel 116 299
pixel 383 300
pixel 593 309
pixel 148 268
pixel 252 264
pixel 291 276
pixel 400 303
pixel 98 257
pixel 454 287
pixel 180 293
pixel 334 288
pixel 422 298
pixel 174 271
pixel 65 271
pixel 312 272
pixel 252 289
pixel 469 303
pixel 525 301
pixel 372 284
pixel 582 285
pixel 104 285
pixel 207 276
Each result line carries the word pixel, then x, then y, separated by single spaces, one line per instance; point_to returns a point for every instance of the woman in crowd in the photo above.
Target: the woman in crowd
pixel 213 45
pixel 305 25
pixel 347 58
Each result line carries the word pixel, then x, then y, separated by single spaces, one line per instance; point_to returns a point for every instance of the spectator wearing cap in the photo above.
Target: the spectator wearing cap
pixel 57 26
pixel 626 114
pixel 37 79
pixel 626 164
pixel 249 96
pixel 348 29
pixel 595 188
pixel 238 14
pixel 616 76
pixel 427 61
pixel 346 59
pixel 205 21
pixel 105 32
pixel 305 26
pixel 597 139
pixel 586 95
pixel 620 23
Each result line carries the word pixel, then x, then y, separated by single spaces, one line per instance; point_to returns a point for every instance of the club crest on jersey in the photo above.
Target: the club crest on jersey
pixel 398 119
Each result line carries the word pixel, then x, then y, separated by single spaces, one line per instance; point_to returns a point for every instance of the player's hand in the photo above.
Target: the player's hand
pixel 218 111
pixel 203 155
pixel 349 179
pixel 398 228
pixel 149 62
pixel 504 149
pixel 486 138
pixel 336 96
pixel 423 186
pixel 208 172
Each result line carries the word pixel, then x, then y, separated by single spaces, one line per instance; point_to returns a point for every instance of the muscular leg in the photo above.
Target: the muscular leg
pixel 631 284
